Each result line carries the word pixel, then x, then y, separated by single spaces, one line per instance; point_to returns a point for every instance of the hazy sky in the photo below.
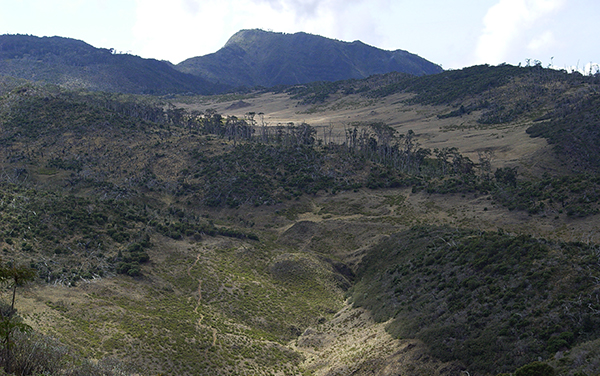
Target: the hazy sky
pixel 453 33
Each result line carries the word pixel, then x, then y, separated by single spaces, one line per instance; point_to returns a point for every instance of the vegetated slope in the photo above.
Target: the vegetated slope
pixel 83 190
pixel 573 127
pixel 492 300
pixel 260 58
pixel 500 94
pixel 75 64
pixel 188 222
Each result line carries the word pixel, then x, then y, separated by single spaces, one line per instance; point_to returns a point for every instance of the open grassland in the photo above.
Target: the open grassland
pixel 509 142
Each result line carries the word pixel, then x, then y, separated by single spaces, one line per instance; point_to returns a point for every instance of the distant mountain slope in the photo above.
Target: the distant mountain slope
pixel 76 64
pixel 256 57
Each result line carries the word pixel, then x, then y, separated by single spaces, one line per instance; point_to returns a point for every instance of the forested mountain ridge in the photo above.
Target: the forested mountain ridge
pixel 250 58
pixel 261 58
pixel 204 235
pixel 75 64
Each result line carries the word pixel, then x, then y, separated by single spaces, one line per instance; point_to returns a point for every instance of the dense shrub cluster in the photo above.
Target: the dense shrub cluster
pixel 80 235
pixel 574 132
pixel 260 174
pixel 314 93
pixel 88 238
pixel 37 115
pixel 577 196
pixel 177 229
pixel 483 297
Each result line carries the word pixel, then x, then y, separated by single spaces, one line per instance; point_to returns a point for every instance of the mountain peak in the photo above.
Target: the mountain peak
pixel 255 57
pixel 245 35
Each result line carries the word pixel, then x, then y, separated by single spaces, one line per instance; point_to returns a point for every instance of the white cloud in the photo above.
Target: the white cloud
pixel 179 29
pixel 541 42
pixel 191 6
pixel 507 25
pixel 301 8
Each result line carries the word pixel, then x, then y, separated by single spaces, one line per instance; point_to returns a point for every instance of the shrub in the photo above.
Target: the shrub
pixel 34 354
pixel 535 369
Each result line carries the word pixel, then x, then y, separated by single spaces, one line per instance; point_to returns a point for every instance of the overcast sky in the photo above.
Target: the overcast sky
pixel 453 33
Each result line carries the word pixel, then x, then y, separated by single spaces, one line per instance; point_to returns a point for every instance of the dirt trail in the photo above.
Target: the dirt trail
pixel 199 323
pixel 199 283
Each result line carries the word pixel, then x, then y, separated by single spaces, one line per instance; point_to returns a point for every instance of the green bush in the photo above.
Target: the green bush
pixel 535 369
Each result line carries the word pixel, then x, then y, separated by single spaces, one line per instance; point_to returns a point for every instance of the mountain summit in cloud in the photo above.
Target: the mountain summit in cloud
pixel 262 58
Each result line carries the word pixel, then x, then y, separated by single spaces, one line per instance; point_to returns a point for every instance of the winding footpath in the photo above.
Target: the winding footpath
pixel 199 301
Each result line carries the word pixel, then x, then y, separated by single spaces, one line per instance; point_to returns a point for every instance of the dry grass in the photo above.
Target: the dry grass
pixel 353 344
pixel 510 144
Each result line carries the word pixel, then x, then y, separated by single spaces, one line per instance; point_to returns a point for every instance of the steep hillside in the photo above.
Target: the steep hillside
pixel 74 64
pixel 482 297
pixel 413 226
pixel 260 58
